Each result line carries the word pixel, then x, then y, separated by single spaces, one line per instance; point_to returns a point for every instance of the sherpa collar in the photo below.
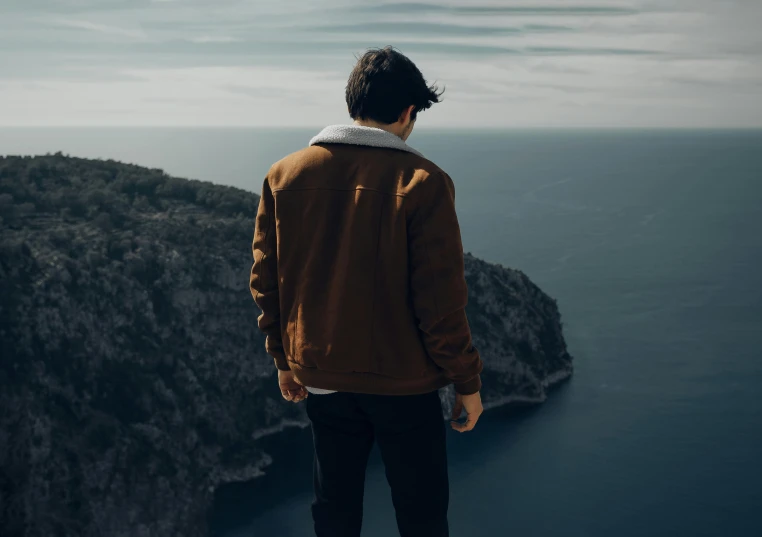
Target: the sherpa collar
pixel 359 135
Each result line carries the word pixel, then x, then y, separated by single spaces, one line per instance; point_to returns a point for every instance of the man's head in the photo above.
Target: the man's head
pixel 387 90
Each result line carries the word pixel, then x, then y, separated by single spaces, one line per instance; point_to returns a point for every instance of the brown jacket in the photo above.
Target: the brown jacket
pixel 358 268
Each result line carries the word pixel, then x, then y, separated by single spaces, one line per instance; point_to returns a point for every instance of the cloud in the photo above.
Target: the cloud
pixel 210 50
pixel 546 28
pixel 587 51
pixel 203 61
pixel 579 10
pixel 69 6
pixel 416 28
pixel 211 38
pixel 101 28
pixel 433 28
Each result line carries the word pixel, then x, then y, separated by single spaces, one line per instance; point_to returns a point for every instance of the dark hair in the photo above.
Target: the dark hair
pixel 385 82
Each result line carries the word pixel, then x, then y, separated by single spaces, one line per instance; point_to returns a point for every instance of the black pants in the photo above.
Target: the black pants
pixel 410 432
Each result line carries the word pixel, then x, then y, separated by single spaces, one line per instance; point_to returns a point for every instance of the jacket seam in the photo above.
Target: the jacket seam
pixel 375 287
pixel 436 306
pixel 295 325
pixel 340 190
pixel 264 252
pixel 262 260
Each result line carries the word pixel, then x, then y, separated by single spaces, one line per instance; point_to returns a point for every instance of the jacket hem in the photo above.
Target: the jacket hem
pixel 372 383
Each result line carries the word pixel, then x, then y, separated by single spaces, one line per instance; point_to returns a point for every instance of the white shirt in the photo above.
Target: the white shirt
pixel 319 391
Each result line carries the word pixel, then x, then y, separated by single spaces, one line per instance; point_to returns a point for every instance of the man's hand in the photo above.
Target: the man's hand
pixel 473 405
pixel 290 389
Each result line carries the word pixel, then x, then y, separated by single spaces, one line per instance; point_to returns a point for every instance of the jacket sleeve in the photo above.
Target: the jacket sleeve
pixel 438 283
pixel 263 281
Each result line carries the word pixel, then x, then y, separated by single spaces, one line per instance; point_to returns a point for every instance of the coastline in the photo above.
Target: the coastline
pixel 291 470
pixel 548 383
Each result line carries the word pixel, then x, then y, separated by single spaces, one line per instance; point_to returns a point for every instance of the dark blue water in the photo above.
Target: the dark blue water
pixel 652 244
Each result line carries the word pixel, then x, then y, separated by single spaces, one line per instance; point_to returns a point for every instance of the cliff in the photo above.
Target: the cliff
pixel 133 378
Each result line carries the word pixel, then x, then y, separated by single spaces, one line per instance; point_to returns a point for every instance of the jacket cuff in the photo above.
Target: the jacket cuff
pixel 469 387
pixel 282 364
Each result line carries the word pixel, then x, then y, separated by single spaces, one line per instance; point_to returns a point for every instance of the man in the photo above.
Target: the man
pixel 358 270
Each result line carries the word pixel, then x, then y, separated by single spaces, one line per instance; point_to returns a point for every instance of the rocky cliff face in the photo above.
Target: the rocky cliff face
pixel 133 378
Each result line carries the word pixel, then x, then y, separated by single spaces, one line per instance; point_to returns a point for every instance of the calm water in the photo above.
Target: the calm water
pixel 652 244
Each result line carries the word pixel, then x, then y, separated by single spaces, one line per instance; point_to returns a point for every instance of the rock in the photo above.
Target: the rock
pixel 134 379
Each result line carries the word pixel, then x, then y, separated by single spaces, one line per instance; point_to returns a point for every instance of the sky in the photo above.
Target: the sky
pixel 565 63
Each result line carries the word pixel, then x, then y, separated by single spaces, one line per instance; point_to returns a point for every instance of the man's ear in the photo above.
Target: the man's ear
pixel 406 113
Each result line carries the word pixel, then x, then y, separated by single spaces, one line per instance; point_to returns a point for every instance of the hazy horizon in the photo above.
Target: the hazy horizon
pixel 418 128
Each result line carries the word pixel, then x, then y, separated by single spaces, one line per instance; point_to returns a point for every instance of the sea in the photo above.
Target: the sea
pixel 651 241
